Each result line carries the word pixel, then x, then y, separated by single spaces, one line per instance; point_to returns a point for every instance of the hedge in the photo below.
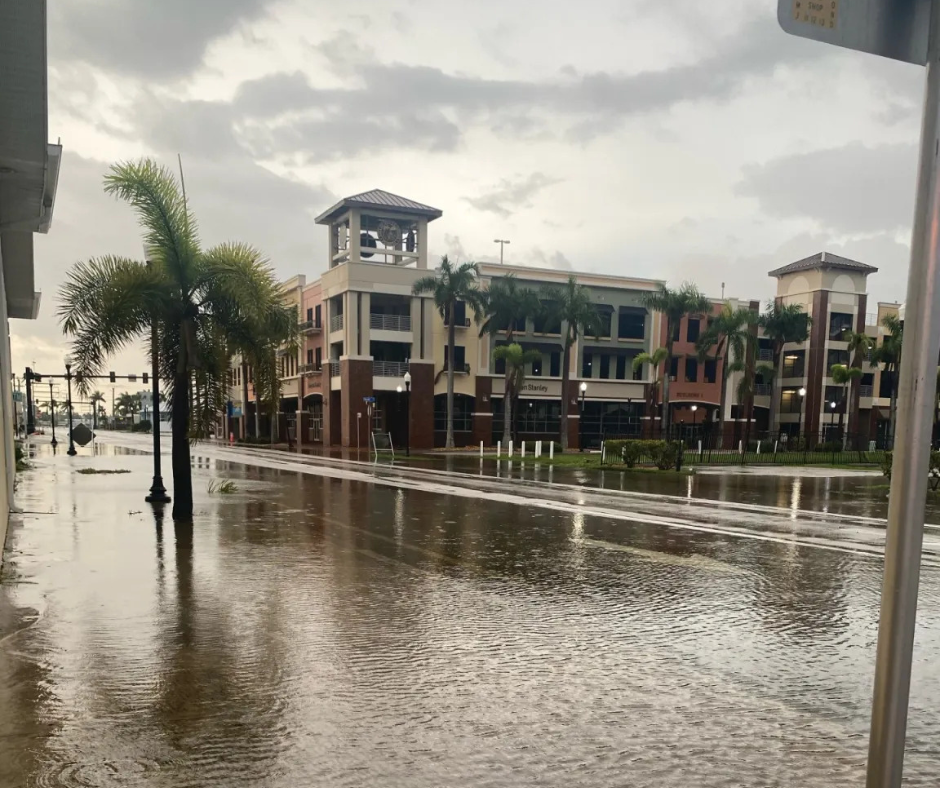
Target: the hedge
pixel 662 454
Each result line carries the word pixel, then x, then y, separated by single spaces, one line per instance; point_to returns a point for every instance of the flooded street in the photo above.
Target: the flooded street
pixel 338 624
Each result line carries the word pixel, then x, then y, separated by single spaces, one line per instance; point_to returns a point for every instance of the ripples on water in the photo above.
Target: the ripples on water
pixel 312 631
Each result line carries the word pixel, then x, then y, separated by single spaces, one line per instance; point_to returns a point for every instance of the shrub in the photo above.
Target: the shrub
pixel 829 446
pixel 888 457
pixel 141 426
pixel 662 454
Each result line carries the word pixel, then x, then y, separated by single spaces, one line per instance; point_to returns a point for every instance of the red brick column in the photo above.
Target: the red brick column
pixel 356 383
pixel 483 412
pixel 421 433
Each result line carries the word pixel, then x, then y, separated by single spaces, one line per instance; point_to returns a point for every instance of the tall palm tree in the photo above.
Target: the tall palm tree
pixel 845 376
pixel 782 324
pixel 727 336
pixel 888 354
pixel 507 304
pixel 128 405
pixel 655 361
pixel 94 399
pixel 195 298
pixel 451 284
pixel 516 361
pixel 675 305
pixel 571 306
pixel 859 346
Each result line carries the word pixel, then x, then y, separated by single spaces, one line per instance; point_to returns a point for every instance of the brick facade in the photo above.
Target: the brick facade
pixel 421 433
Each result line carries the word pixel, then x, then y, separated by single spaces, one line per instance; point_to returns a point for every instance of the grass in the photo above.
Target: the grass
pixel 101 471
pixel 222 487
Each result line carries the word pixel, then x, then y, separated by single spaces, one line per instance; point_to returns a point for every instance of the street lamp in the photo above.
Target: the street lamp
pixel 68 378
pixel 694 418
pixel 799 426
pixel 583 388
pixel 52 413
pixel 502 245
pixel 832 418
pixel 407 413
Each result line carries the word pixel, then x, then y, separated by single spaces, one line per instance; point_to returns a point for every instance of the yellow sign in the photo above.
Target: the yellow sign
pixel 822 13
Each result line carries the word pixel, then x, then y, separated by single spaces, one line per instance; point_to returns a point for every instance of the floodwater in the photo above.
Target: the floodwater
pixel 335 624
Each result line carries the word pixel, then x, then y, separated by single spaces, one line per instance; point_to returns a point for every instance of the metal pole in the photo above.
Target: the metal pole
pixel 918 381
pixel 408 418
pixel 157 490
pixel 52 413
pixel 30 420
pixel 68 377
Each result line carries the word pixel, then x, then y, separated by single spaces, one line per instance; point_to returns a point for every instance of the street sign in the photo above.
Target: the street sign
pixel 368 400
pixel 897 29
pixel 81 434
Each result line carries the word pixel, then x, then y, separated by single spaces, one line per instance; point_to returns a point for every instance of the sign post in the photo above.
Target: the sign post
pixel 907 30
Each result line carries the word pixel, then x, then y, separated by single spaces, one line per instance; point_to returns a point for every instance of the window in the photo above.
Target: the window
pixel 834 357
pixel 318 360
pixel 790 400
pixel 459 362
pixel 555 364
pixel 621 367
pixel 605 366
pixel 520 325
pixel 537 367
pixel 711 371
pixel 692 330
pixel 691 370
pixel 586 365
pixel 316 318
pixel 674 368
pixel 887 384
pixel 545 322
pixel 794 363
pixel 603 322
pixel 839 323
pixel 834 394
pixel 310 356
pixel 460 314
pixel 631 323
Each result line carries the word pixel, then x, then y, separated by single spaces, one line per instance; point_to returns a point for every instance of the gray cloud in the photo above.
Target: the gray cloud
pixel 162 40
pixel 512 194
pixel 542 259
pixel 853 189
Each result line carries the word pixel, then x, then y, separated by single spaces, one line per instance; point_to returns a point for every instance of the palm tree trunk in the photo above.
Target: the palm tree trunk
pixel 722 401
pixel 565 385
pixel 451 338
pixel 182 472
pixel 244 418
pixel 667 376
pixel 507 399
pixel 773 396
pixel 845 396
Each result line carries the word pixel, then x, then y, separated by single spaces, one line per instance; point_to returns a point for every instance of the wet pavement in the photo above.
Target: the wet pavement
pixel 341 624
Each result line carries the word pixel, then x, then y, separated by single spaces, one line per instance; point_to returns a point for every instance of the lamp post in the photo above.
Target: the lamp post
pixel 694 418
pixel 583 390
pixel 799 425
pixel 407 414
pixel 832 418
pixel 52 414
pixel 68 378
pixel 157 490
pixel 502 245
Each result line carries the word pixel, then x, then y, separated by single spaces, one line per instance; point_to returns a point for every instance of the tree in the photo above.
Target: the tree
pixel 516 361
pixel 655 361
pixel 194 297
pixel 782 324
pixel 507 304
pixel 859 347
pixel 128 405
pixel 845 376
pixel 94 399
pixel 675 305
pixel 888 355
pixel 728 335
pixel 451 284
pixel 570 306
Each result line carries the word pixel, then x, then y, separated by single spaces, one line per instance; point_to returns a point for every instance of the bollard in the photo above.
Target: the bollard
pixel 481 449
pixel 510 449
pixel 231 437
pixel 603 453
pixel 700 448
pixel 740 447
pixel 551 450
pixel 522 453
pixel 538 449
pixel 758 446
pixel 499 449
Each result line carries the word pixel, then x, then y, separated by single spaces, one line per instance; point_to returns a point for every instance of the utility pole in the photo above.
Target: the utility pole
pixel 502 245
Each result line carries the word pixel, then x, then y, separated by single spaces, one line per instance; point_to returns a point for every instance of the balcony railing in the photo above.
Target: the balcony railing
pixel 334 369
pixel 866 391
pixel 871 319
pixel 380 322
pixel 336 322
pixel 762 389
pixel 309 369
pixel 458 323
pixel 389 369
pixel 309 327
pixel 765 355
pixel 459 369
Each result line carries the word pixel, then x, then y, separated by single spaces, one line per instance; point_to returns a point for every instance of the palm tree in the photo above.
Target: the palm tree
pixel 195 298
pixel 859 347
pixel 508 304
pixel 128 405
pixel 728 334
pixel 747 364
pixel 888 353
pixel 782 323
pixel 451 284
pixel 516 361
pixel 655 361
pixel 94 399
pixel 845 376
pixel 570 306
pixel 675 305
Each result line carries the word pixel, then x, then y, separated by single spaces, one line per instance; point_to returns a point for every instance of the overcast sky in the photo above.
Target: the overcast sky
pixel 673 139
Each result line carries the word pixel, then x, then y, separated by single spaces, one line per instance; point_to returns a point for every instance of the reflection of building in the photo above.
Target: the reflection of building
pixel 29 169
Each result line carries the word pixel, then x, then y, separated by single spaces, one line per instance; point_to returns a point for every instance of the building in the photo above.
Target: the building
pixel 29 169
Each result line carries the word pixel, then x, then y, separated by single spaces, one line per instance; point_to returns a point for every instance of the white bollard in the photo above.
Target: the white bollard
pixel 603 452
pixel 740 447
pixel 758 447
pixel 499 449
pixel 538 449
pixel 523 450
pixel 510 449
pixel 700 448
pixel 551 450
pixel 481 448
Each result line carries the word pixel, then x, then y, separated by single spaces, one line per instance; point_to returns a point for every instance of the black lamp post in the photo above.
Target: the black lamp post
pixel 407 414
pixel 799 425
pixel 583 390
pixel 68 379
pixel 157 490
pixel 694 419
pixel 52 413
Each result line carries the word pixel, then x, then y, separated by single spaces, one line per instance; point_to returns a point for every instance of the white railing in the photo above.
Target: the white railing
pixel 871 319
pixel 308 326
pixel 389 369
pixel 336 322
pixel 762 389
pixel 334 369
pixel 866 391
pixel 765 355
pixel 390 322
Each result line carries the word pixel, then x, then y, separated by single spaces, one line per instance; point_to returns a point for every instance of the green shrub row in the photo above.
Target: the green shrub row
pixel 141 426
pixel 933 474
pixel 662 454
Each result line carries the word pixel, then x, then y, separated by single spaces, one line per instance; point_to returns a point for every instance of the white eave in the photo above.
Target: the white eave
pixel 29 165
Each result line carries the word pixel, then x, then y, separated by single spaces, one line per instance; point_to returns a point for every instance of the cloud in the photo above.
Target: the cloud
pixel 542 259
pixel 512 194
pixel 163 40
pixel 853 189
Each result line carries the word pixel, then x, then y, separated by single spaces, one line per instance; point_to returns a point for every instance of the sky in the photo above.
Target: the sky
pixel 670 139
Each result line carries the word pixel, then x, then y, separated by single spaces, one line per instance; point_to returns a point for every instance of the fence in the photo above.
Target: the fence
pixel 336 323
pixel 381 322
pixel 389 369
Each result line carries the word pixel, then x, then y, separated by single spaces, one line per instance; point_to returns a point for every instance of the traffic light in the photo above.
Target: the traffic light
pixel 112 377
pixel 37 378
pixel 145 378
pixel 132 378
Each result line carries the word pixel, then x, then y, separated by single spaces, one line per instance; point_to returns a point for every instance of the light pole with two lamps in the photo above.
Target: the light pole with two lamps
pixel 583 389
pixel 68 377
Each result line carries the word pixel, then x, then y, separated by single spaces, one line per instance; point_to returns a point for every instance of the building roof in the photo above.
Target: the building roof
pixel 377 198
pixel 824 260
